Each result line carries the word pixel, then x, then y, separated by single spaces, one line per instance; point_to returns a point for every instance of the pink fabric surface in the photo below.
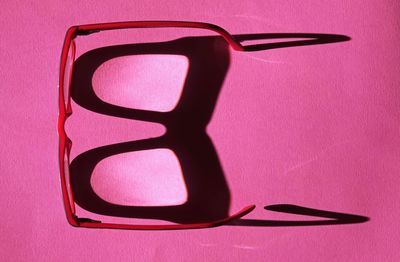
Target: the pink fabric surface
pixel 316 126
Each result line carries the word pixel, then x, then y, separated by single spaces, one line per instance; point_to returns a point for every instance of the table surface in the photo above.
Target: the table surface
pixel 308 132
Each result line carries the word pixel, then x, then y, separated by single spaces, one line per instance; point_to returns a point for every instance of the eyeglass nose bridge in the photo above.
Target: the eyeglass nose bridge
pixel 68 145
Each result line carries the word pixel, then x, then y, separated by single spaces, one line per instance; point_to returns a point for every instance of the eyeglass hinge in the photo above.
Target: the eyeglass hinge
pixel 83 219
pixel 87 32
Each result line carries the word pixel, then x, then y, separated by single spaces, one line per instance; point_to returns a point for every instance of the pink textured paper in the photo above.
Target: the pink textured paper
pixel 316 126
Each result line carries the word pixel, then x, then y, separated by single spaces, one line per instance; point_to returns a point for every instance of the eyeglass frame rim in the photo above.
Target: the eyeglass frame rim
pixel 65 111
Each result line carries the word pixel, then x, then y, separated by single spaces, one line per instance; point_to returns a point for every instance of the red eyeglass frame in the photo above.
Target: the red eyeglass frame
pixel 65 111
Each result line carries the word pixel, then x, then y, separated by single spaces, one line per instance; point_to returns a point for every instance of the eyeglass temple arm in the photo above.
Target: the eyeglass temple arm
pixel 83 222
pixel 92 28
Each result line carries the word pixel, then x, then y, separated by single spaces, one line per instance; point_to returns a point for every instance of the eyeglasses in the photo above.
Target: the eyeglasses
pixel 65 110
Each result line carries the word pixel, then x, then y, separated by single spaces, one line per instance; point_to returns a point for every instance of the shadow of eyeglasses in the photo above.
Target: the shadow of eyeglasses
pixel 208 192
pixel 313 39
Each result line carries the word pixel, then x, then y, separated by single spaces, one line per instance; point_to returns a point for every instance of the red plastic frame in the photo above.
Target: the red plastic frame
pixel 65 110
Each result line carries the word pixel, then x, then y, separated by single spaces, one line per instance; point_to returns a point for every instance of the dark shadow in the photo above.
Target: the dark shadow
pixel 314 39
pixel 208 192
pixel 335 217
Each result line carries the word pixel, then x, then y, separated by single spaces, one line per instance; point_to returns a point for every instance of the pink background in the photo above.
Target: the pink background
pixel 316 126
